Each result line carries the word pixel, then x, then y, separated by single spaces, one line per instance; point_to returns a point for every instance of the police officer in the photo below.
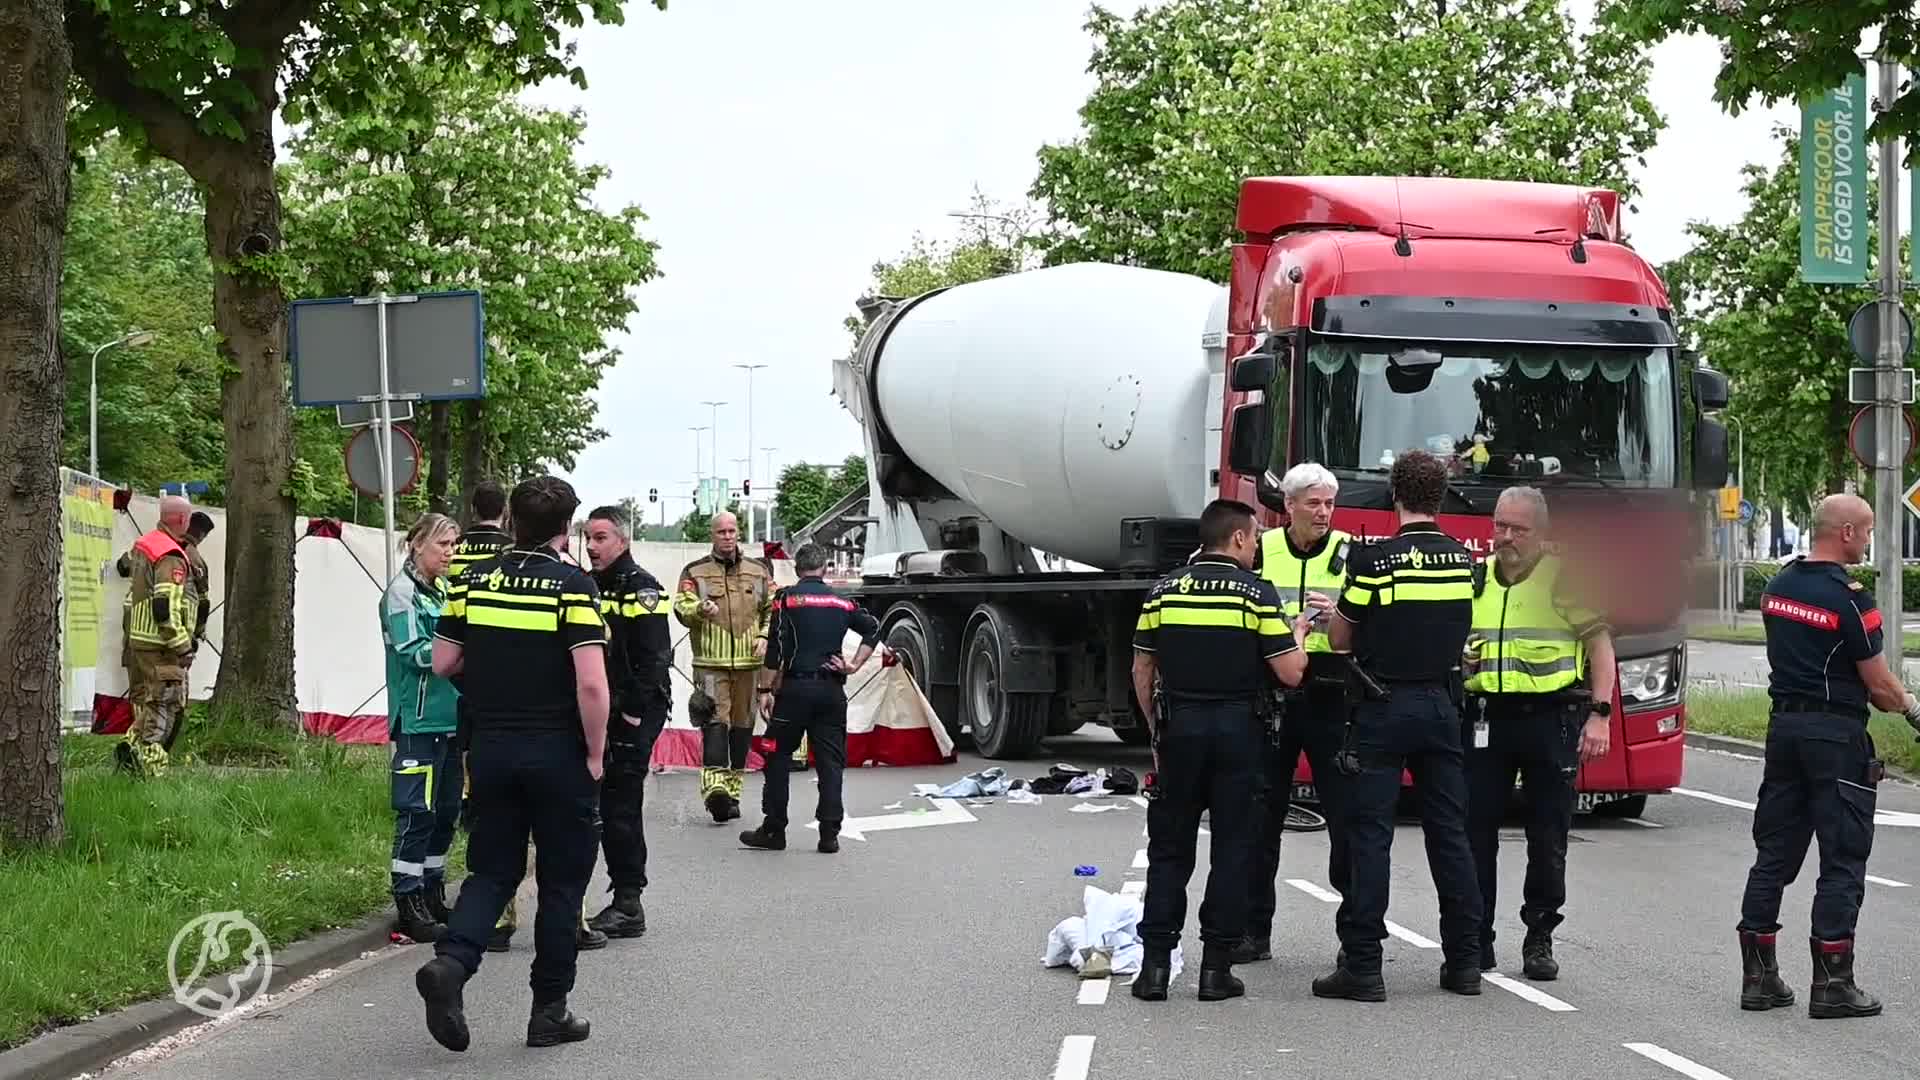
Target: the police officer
pixel 1824 641
pixel 1210 632
pixel 639 655
pixel 1540 693
pixel 1405 614
pixel 805 695
pixel 526 629
pixel 1306 562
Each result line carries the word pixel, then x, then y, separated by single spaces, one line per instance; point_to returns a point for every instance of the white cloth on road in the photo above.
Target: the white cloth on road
pixel 1112 923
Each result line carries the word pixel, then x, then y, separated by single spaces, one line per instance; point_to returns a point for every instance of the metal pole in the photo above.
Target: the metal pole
pixel 93 411
pixel 386 437
pixel 1889 423
pixel 749 369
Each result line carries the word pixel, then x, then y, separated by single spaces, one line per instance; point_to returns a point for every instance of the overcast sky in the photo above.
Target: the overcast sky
pixel 781 148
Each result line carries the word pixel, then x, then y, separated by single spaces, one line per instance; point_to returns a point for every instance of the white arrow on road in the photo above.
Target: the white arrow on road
pixel 946 812
pixel 1899 818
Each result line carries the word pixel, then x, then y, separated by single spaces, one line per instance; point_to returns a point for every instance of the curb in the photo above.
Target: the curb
pixel 1743 747
pixel 93 1044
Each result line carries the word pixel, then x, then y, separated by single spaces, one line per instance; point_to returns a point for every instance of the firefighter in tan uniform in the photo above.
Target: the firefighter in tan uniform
pixel 161 615
pixel 725 600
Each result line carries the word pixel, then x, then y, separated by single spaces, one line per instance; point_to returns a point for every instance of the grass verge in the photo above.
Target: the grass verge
pixel 294 832
pixel 1743 715
pixel 1756 635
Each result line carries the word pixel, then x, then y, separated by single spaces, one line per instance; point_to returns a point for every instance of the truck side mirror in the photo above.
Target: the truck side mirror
pixel 1254 371
pixel 1709 389
pixel 1709 455
pixel 1252 445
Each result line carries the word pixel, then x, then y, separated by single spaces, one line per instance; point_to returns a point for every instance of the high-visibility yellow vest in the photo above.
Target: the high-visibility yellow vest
pixel 160 572
pixel 1532 644
pixel 1324 572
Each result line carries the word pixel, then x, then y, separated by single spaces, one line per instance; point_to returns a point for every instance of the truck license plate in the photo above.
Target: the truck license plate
pixel 1586 801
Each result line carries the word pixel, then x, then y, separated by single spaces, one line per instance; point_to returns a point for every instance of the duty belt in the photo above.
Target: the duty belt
pixel 1796 703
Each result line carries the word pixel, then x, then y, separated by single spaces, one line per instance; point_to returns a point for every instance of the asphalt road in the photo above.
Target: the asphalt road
pixel 915 954
pixel 1739 667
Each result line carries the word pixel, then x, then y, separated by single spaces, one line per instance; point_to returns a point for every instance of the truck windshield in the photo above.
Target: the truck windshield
pixel 1605 415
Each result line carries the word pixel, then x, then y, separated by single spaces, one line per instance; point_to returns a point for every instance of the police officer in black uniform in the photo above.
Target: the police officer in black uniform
pixel 1824 641
pixel 805 694
pixel 1211 632
pixel 526 629
pixel 639 656
pixel 1405 614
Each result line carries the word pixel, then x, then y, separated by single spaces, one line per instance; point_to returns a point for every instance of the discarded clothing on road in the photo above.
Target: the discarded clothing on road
pixel 985 784
pixel 1104 940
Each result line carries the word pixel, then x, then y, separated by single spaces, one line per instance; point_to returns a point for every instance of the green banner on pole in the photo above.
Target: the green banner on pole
pixel 1833 185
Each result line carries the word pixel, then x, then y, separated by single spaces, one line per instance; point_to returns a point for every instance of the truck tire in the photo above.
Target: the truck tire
pixel 907 637
pixel 1061 719
pixel 1003 725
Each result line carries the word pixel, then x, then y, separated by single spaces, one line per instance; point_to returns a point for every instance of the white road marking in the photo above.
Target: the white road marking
pixel 1888 882
pixel 1675 1062
pixel 1643 823
pixel 1094 991
pixel 946 812
pixel 1076 1058
pixel 1140 859
pixel 1527 993
pixel 1139 801
pixel 1133 888
pixel 1709 796
pixel 1897 818
pixel 1410 937
pixel 1313 890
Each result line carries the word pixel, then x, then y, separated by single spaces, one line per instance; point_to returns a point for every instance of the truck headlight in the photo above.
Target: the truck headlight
pixel 1650 681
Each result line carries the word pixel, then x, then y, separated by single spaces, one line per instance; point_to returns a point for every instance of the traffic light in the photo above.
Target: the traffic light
pixel 653 494
pixel 746 487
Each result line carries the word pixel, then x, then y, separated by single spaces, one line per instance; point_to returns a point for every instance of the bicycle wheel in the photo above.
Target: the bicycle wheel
pixel 1301 819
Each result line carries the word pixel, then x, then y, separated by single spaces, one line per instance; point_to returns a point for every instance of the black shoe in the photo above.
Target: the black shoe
pixel 829 842
pixel 439 981
pixel 1536 955
pixel 587 939
pixel 1834 995
pixel 414 922
pixel 720 807
pixel 1761 987
pixel 502 939
pixel 1252 949
pixel 436 897
pixel 1342 983
pixel 551 1024
pixel 624 918
pixel 767 838
pixel 1156 971
pixel 1464 980
pixel 733 808
pixel 1217 981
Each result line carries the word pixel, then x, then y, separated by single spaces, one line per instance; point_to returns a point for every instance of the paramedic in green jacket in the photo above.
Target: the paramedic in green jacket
pixel 421 718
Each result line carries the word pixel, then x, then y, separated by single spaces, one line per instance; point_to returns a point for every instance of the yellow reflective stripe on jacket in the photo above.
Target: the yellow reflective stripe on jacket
pixel 1233 612
pixel 1529 646
pixel 1294 577
pixel 509 618
pixel 144 629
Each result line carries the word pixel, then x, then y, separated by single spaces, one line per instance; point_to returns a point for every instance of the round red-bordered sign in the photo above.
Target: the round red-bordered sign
pixel 1860 437
pixel 362 456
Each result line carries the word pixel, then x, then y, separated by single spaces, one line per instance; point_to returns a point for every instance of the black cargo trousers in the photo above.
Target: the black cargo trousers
pixel 814 705
pixel 1816 783
pixel 1209 752
pixel 1315 724
pixel 1537 737
pixel 623 793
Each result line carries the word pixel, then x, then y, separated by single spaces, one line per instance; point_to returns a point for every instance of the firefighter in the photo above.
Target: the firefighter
pixel 199 527
pixel 526 629
pixel 1824 649
pixel 1405 614
pixel 160 614
pixel 1306 562
pixel 725 598
pixel 1540 693
pixel 1210 632
pixel 639 656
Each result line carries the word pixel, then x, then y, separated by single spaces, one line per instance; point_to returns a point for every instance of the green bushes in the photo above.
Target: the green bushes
pixel 1755 575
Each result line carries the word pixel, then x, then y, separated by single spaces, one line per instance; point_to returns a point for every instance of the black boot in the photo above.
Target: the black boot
pixel 1834 995
pixel 1217 981
pixel 439 981
pixel 1342 983
pixel 1463 979
pixel 1536 953
pixel 414 922
pixel 829 839
pixel 768 837
pixel 436 897
pixel 551 1024
pixel 1761 987
pixel 1252 949
pixel 1156 971
pixel 502 939
pixel 720 807
pixel 587 939
pixel 624 918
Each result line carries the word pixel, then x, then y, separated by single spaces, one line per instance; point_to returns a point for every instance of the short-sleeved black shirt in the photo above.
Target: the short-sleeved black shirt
pixel 1410 597
pixel 1213 626
pixel 1820 622
pixel 810 623
pixel 519 617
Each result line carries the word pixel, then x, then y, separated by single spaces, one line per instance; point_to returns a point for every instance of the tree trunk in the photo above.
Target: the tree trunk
pixel 473 456
pixel 35 66
pixel 438 436
pixel 243 219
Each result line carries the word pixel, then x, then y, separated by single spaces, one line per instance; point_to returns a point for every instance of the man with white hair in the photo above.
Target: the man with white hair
pixel 725 600
pixel 1540 680
pixel 1306 562
pixel 161 613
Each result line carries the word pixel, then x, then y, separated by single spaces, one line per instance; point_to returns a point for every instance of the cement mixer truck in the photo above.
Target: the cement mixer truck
pixel 1040 445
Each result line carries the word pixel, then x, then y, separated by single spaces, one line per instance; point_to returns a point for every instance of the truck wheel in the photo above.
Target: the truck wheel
pixel 1004 725
pixel 1630 807
pixel 1061 719
pixel 907 638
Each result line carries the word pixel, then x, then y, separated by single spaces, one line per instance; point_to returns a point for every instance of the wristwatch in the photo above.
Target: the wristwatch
pixel 1600 708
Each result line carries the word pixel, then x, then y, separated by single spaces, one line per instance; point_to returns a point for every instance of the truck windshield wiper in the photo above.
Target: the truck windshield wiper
pixel 1453 487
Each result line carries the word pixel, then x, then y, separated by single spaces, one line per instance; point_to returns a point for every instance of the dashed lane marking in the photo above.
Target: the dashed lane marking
pixel 1410 937
pixel 1139 801
pixel 1133 888
pixel 1897 818
pixel 1888 882
pixel 1527 993
pixel 1094 991
pixel 1671 1060
pixel 1314 890
pixel 1708 796
pixel 1076 1058
pixel 1643 823
pixel 1140 859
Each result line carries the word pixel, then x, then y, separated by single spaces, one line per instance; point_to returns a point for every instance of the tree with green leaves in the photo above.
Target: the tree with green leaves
pixel 1781 341
pixel 484 193
pixel 204 87
pixel 804 491
pixel 993 241
pixel 34 70
pixel 1194 96
pixel 1787 50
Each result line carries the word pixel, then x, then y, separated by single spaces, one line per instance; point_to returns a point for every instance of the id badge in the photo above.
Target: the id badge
pixel 1480 734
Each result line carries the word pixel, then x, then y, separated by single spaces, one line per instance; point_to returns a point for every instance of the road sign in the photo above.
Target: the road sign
pixel 1729 503
pixel 363 461
pixel 436 348
pixel 1911 499
pixel 1860 438
pixel 1862 389
pixel 353 416
pixel 1746 510
pixel 1863 332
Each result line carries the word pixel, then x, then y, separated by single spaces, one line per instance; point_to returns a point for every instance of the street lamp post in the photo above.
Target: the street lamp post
pixel 715 405
pixel 133 340
pixel 749 369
